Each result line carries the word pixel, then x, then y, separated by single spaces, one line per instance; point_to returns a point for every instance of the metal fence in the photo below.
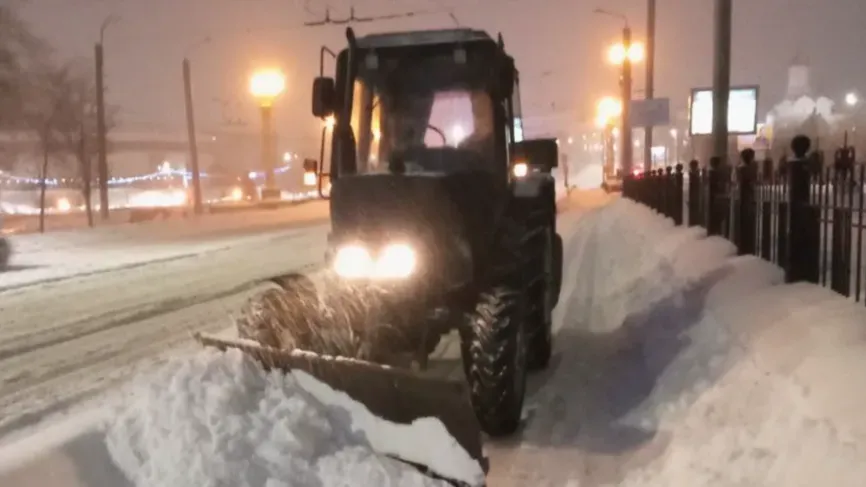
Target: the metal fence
pixel 803 215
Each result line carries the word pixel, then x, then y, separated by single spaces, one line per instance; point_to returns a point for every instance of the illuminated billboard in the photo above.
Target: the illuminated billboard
pixel 742 111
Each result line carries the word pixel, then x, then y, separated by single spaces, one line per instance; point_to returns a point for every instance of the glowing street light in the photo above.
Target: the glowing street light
pixel 609 109
pixel 851 99
pixel 618 53
pixel 266 86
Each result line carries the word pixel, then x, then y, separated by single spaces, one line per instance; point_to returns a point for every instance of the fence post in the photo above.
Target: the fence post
pixel 726 206
pixel 694 194
pixel 650 189
pixel 746 231
pixel 714 215
pixel 669 191
pixel 805 222
pixel 644 188
pixel 782 214
pixel 656 193
pixel 767 190
pixel 840 255
pixel 678 196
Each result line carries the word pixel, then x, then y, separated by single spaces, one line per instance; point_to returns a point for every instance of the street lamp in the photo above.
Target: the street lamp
pixel 618 53
pixel 851 99
pixel 266 86
pixel 624 54
pixel 608 110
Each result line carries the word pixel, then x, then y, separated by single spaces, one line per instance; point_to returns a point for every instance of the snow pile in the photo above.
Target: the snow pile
pixel 219 419
pixel 625 255
pixel 749 381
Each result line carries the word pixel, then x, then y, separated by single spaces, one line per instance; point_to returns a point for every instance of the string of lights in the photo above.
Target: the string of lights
pixel 162 175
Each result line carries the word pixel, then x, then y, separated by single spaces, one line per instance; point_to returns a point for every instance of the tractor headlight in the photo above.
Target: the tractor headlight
pixel 520 170
pixel 395 261
pixel 353 261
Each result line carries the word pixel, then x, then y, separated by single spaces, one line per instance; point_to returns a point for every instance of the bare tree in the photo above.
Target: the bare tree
pixel 46 115
pixel 78 130
pixel 22 55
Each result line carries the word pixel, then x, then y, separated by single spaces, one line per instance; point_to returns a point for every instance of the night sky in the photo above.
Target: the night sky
pixel 559 46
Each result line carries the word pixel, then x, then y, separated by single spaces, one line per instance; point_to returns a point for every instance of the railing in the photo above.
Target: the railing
pixel 799 214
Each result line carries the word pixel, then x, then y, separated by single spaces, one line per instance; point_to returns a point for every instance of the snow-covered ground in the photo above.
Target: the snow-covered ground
pixel 63 340
pixel 39 258
pixel 677 363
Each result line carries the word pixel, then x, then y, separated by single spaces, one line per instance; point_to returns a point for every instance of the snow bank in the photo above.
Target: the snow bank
pixel 753 382
pixel 219 419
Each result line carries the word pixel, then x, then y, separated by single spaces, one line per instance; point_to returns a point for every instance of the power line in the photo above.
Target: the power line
pixel 353 18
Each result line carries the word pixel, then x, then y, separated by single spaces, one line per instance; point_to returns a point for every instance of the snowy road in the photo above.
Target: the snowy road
pixel 69 337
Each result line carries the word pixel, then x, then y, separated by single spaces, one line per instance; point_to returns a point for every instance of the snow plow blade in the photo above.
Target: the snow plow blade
pixel 393 394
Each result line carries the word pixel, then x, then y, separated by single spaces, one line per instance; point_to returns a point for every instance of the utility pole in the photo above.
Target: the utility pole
pixel 102 160
pixel 193 147
pixel 721 78
pixel 626 153
pixel 650 74
pixel 269 154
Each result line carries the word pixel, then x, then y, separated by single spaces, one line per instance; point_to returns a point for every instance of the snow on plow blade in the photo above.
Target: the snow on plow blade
pixel 393 394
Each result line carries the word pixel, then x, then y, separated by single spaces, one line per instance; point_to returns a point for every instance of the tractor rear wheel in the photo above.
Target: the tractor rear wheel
pixel 493 338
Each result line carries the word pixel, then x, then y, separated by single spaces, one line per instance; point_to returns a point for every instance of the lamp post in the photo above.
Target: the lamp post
pixel 625 54
pixel 721 77
pixel 102 161
pixel 266 86
pixel 649 92
pixel 609 109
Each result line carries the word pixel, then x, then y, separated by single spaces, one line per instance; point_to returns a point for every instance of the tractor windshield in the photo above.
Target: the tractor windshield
pixel 421 113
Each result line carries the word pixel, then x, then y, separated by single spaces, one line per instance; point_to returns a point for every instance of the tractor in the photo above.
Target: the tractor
pixel 440 208
pixel 442 218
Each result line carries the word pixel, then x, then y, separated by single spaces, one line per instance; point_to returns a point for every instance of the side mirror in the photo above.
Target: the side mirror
pixel 541 153
pixel 324 98
pixel 506 77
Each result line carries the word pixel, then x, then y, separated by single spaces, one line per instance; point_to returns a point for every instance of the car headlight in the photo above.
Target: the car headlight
pixel 353 261
pixel 396 261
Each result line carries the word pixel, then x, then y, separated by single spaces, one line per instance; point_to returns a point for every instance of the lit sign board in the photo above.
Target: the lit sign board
pixel 742 111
